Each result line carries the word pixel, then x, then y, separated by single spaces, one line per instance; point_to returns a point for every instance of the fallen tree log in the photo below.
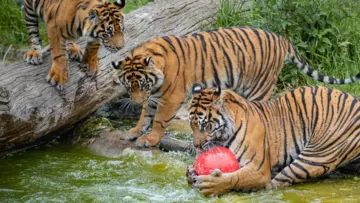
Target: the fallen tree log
pixel 30 108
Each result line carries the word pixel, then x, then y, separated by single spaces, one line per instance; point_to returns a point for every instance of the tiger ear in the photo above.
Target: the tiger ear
pixel 196 88
pixel 219 101
pixel 217 90
pixel 120 3
pixel 93 16
pixel 116 64
pixel 149 63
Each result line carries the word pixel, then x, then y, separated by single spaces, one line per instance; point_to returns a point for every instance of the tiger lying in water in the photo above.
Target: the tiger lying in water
pixel 306 133
pixel 159 73
pixel 98 20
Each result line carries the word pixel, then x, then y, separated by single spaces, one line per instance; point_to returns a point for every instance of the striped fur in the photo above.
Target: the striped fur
pixel 246 60
pixel 305 133
pixel 66 20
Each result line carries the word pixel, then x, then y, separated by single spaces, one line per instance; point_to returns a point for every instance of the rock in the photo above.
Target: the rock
pixel 113 144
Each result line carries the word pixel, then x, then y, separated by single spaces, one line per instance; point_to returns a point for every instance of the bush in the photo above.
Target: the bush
pixel 326 32
pixel 12 26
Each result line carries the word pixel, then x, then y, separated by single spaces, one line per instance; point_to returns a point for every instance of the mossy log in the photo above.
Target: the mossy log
pixel 30 108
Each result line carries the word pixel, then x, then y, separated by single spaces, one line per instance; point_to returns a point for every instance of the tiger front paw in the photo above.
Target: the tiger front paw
pixel 134 133
pixel 149 140
pixel 217 183
pixel 58 75
pixel 33 56
pixel 74 51
pixel 191 176
pixel 91 65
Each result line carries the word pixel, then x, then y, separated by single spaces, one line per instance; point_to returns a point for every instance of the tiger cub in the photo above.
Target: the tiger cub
pixel 98 20
pixel 306 133
pixel 159 73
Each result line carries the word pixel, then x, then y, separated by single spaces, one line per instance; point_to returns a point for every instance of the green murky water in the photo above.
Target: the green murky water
pixel 63 173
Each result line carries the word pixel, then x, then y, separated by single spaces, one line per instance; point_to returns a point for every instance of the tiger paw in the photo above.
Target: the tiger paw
pixel 74 51
pixel 148 140
pixel 191 175
pixel 133 134
pixel 58 75
pixel 33 56
pixel 90 65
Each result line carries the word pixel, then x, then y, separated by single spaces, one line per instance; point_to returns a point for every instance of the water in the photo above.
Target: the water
pixel 63 173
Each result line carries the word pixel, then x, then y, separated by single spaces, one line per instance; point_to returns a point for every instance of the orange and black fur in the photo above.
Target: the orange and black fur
pixel 305 133
pixel 98 20
pixel 160 72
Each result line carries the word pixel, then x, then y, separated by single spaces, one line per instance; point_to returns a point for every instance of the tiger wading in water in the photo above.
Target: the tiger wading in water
pixel 98 20
pixel 159 73
pixel 306 133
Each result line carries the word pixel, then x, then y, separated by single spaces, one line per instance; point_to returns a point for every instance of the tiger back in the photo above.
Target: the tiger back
pixel 305 133
pixel 158 74
pixel 100 21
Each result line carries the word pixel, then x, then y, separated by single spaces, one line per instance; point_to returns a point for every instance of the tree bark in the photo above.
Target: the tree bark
pixel 30 108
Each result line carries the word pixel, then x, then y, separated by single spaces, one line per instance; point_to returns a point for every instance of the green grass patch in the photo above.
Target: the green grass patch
pixel 12 24
pixel 326 32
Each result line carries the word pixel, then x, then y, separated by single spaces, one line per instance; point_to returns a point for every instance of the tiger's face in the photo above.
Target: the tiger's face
pixel 139 76
pixel 108 24
pixel 209 120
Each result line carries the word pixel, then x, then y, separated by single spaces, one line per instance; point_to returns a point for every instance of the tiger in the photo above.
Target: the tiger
pixel 159 73
pixel 306 133
pixel 67 20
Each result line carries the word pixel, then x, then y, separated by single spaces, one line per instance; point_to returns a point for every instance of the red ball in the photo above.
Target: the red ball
pixel 217 157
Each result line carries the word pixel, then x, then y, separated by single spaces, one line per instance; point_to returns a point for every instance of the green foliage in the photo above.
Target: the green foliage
pixel 92 127
pixel 12 24
pixel 134 4
pixel 326 32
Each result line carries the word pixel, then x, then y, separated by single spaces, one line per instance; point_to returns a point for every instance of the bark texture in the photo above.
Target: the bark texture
pixel 30 108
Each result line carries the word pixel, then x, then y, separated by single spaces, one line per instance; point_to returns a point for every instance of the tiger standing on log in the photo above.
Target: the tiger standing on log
pixel 66 20
pixel 159 73
pixel 306 133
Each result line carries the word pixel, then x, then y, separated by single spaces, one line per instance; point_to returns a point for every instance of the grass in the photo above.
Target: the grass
pixel 12 24
pixel 326 32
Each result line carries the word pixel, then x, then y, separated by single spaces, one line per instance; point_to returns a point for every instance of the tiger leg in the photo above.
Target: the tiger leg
pixel 74 51
pixel 147 114
pixel 300 170
pixel 58 73
pixel 90 61
pixel 34 55
pixel 165 113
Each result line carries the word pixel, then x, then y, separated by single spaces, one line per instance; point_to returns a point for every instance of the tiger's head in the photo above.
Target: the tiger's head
pixel 211 121
pixel 140 76
pixel 107 24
